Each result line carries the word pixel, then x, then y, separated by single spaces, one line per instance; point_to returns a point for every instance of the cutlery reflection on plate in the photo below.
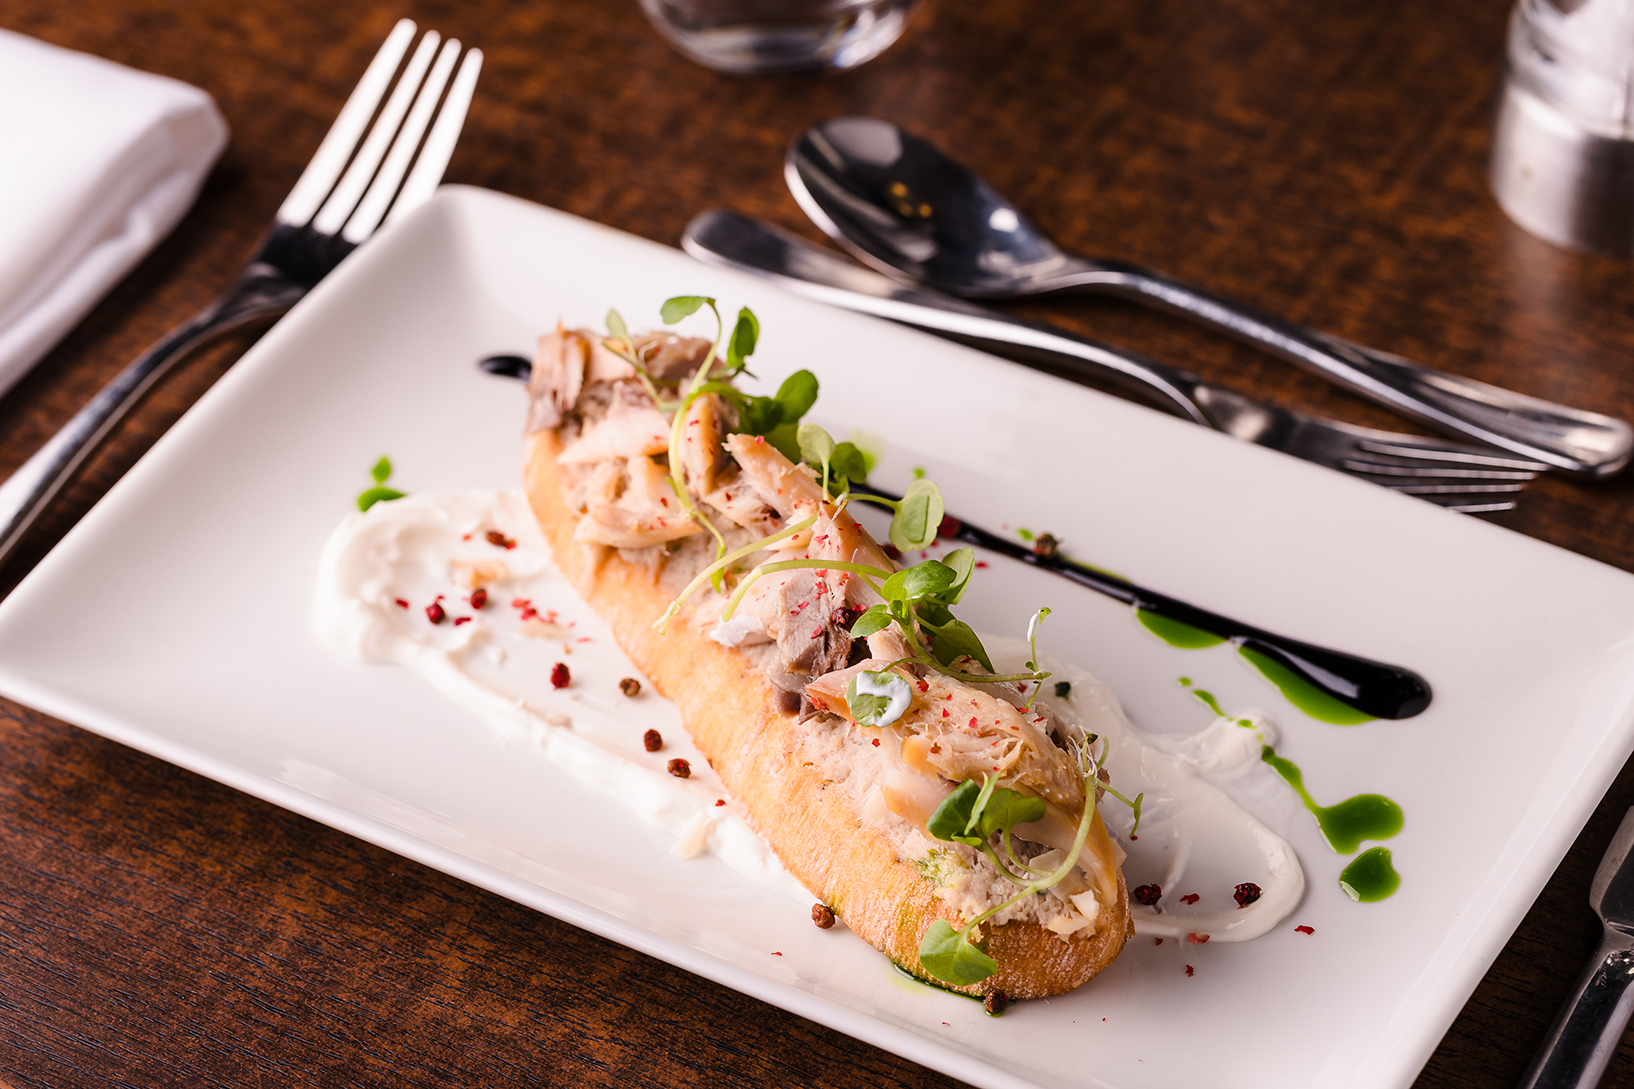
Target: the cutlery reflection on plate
pixel 1457 476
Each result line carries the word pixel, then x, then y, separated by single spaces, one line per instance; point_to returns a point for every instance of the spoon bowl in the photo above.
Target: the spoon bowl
pixel 902 206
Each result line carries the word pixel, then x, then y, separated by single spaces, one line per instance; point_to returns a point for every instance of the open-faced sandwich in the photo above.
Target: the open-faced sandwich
pixel 922 796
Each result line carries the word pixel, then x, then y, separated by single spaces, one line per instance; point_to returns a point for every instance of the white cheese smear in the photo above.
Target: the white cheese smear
pixel 386 574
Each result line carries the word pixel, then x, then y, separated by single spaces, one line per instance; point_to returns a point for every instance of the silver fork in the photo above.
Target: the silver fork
pixel 347 191
pixel 1453 475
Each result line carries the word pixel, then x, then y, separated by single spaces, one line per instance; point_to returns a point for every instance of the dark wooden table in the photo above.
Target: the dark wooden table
pixel 1325 161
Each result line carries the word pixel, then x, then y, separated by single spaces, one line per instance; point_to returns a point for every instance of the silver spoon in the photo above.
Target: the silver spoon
pixel 908 210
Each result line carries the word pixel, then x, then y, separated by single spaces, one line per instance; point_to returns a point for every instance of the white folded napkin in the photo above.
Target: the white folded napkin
pixel 97 163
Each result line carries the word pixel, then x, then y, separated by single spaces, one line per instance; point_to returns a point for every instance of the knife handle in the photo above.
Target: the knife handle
pixel 1590 1026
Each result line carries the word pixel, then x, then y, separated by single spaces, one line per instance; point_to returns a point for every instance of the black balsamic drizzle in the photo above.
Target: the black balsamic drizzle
pixel 1373 688
pixel 507 366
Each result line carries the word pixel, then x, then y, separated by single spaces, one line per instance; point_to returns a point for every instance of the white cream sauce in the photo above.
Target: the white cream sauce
pixel 1194 837
pixel 381 570
pixel 498 663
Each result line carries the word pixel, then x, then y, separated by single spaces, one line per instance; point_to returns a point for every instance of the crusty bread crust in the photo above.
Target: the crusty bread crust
pixel 727 705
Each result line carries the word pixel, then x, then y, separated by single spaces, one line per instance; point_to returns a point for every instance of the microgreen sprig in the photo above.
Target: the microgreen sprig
pixel 841 462
pixel 979 813
pixel 619 333
pixel 722 562
pixel 381 472
pixel 918 599
pixel 915 518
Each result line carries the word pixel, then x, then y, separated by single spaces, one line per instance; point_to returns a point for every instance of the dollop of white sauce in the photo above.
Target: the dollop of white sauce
pixel 1194 836
pixel 381 570
pixel 893 689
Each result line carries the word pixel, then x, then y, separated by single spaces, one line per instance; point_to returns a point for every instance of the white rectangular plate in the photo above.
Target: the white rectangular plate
pixel 174 619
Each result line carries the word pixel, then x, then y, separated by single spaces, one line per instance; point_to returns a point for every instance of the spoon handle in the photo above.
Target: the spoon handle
pixel 1571 440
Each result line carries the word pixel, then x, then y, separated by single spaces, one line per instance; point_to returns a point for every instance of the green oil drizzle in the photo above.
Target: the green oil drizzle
pixel 1176 634
pixel 1346 825
pixel 1370 876
pixel 938 985
pixel 1300 692
pixel 1206 698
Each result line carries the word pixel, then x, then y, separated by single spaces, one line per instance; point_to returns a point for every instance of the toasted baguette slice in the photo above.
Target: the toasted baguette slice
pixel 728 706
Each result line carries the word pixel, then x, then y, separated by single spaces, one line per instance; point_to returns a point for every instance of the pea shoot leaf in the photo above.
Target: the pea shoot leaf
pixel 976 811
pixel 956 814
pixel 796 395
pixel 618 330
pixel 679 307
pixel 877 618
pixel 954 638
pixel 925 579
pixel 776 418
pixel 1007 808
pixel 962 561
pixel 918 517
pixel 816 446
pixel 947 955
pixel 742 344
pixel 786 439
pixel 377 495
pixel 381 471
pixel 848 464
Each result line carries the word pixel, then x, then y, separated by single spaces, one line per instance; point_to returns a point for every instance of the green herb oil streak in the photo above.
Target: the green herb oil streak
pixel 1370 876
pixel 1303 694
pixel 1347 824
pixel 1299 692
pixel 937 984
pixel 1205 697
pixel 1176 634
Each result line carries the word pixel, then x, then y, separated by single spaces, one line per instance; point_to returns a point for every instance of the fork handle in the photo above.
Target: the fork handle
pixel 1590 1026
pixel 1571 440
pixel 261 294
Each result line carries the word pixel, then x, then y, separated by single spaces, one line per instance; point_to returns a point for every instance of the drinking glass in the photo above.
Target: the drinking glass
pixel 752 37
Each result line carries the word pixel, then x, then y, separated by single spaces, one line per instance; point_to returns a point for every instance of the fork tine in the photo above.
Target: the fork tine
pixel 342 138
pixel 1456 476
pixel 439 146
pixel 344 199
pixel 1456 489
pixel 1435 472
pixel 384 187
pixel 1478 508
pixel 1464 455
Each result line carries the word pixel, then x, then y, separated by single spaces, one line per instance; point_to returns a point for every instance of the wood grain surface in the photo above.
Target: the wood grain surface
pixel 1323 161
